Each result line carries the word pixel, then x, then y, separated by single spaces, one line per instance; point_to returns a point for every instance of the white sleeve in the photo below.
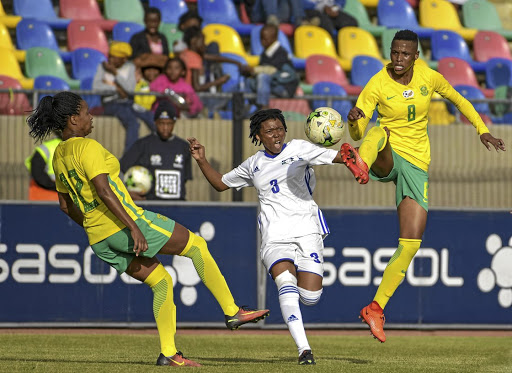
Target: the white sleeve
pixel 315 154
pixel 239 177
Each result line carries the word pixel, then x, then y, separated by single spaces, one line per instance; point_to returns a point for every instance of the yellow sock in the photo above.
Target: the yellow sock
pixel 374 141
pixel 163 308
pixel 210 274
pixel 395 270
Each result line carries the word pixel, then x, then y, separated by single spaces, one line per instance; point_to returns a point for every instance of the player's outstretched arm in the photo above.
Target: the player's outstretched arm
pixel 487 138
pixel 213 176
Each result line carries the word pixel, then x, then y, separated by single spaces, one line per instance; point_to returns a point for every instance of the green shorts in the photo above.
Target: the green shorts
pixel 410 180
pixel 117 250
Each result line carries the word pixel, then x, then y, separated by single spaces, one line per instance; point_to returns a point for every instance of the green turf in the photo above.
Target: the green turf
pixel 259 353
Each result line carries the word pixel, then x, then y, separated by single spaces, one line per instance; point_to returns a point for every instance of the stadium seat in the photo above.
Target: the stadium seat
pixel 124 10
pixel 357 10
pixel 490 44
pixel 86 34
pixel 94 101
pixel 446 43
pixel 320 68
pixel 10 21
pixel 498 72
pixel 470 92
pixel 354 41
pixel 123 31
pixel 370 3
pixel 171 10
pixel 85 10
pixel 482 15
pixel 85 61
pixel 335 90
pixel 6 43
pixel 229 41
pixel 50 82
pixel 310 40
pixel 387 39
pixel 9 66
pixel 33 33
pixel 235 82
pixel 363 68
pixel 44 61
pixel 257 48
pixel 41 10
pixel 399 14
pixel 12 103
pixel 222 11
pixel 442 15
pixel 171 32
pixel 457 71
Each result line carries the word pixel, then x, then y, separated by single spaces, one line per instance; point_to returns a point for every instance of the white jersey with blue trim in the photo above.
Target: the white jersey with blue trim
pixel 285 184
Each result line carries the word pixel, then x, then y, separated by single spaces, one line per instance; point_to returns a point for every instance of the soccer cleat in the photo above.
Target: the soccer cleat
pixel 177 360
pixel 306 358
pixel 374 317
pixel 243 316
pixel 350 158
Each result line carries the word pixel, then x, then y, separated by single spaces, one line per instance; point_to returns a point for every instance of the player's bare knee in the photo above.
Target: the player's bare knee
pixel 310 297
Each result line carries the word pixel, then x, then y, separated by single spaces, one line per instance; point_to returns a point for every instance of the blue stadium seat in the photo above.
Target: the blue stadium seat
pixel 470 92
pixel 257 48
pixel 235 81
pixel 332 89
pixel 446 43
pixel 33 33
pixel 92 100
pixel 400 14
pixel 85 61
pixel 123 31
pixel 498 71
pixel 363 68
pixel 50 82
pixel 222 11
pixel 41 10
pixel 171 10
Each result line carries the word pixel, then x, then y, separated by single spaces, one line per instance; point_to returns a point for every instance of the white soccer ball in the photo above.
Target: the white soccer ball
pixel 324 126
pixel 138 179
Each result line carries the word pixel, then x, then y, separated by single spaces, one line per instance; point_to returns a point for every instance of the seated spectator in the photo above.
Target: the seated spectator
pixel 188 19
pixel 148 73
pixel 165 155
pixel 117 75
pixel 329 15
pixel 275 74
pixel 150 43
pixel 173 78
pixel 278 11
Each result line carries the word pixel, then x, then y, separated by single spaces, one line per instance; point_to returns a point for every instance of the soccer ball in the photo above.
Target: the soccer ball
pixel 324 126
pixel 138 179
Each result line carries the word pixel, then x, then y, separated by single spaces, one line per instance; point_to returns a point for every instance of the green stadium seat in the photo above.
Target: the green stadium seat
pixel 44 61
pixel 124 10
pixel 358 11
pixel 482 15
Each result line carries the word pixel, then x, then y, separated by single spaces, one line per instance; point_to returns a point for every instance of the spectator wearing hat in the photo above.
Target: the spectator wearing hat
pixel 117 75
pixel 165 155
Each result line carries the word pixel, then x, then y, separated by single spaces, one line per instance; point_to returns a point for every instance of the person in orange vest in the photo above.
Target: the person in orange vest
pixel 39 164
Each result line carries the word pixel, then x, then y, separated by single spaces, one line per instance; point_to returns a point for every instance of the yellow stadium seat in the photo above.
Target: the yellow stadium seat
pixel 229 41
pixel 8 20
pixel 6 43
pixel 442 15
pixel 370 3
pixel 309 40
pixel 354 41
pixel 9 66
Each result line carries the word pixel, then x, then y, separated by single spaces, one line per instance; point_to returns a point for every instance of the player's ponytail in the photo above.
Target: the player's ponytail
pixel 52 114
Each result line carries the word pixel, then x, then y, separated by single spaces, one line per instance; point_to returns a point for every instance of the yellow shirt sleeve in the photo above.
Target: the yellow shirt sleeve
pixel 367 101
pixel 444 88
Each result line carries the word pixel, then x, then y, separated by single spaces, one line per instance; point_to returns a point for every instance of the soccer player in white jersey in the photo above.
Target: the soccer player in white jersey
pixel 291 224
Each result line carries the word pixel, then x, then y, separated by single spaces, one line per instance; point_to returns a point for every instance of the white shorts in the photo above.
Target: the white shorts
pixel 306 252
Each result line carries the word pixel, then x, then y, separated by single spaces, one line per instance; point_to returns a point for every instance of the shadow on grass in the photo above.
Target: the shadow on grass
pixel 43 360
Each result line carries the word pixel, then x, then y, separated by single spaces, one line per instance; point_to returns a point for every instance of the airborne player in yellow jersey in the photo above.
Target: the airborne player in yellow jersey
pixel 398 149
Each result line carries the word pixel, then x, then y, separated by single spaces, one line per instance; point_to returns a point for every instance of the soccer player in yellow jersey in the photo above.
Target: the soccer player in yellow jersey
pixel 397 149
pixel 121 233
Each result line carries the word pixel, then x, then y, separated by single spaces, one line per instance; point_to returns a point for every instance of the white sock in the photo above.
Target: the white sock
pixel 289 302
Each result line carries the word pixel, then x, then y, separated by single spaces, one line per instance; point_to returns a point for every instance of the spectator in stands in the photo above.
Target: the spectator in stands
pixel 173 78
pixel 165 155
pixel 329 15
pixel 150 42
pixel 147 73
pixel 275 73
pixel 275 12
pixel 188 19
pixel 117 75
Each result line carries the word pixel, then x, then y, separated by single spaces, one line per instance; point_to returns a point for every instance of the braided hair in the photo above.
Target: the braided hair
pixel 259 117
pixel 52 114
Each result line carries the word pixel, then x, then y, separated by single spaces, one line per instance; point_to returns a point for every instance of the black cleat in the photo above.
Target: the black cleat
pixel 177 360
pixel 243 316
pixel 306 358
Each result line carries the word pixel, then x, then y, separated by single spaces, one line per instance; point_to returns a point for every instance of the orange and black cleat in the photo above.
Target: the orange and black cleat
pixel 243 316
pixel 350 158
pixel 177 360
pixel 373 315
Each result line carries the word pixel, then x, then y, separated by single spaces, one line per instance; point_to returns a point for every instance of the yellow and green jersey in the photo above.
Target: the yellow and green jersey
pixel 403 109
pixel 76 162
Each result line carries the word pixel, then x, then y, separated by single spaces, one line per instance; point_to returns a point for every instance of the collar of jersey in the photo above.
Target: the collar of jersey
pixel 273 156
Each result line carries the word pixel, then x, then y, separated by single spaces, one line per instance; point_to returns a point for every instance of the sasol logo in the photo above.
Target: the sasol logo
pixel 359 272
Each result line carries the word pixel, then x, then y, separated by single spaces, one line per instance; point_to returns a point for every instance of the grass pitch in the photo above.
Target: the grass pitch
pixel 241 353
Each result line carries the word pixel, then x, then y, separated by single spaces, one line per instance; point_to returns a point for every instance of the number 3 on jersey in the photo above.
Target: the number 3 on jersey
pixel 275 187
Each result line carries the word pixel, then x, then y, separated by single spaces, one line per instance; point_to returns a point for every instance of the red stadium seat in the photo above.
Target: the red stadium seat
pixel 490 44
pixel 85 10
pixel 320 68
pixel 12 103
pixel 459 72
pixel 87 34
